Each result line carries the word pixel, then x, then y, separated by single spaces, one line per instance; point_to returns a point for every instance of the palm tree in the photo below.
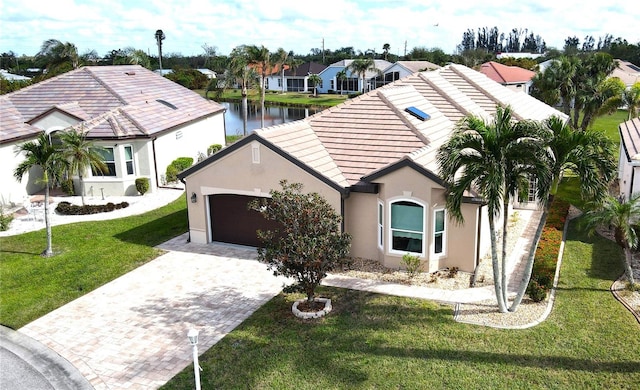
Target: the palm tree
pixel 261 57
pixel 137 57
pixel 590 156
pixel 315 80
pixel 81 155
pixel 241 73
pixel 40 154
pixel 631 99
pixel 624 217
pixel 159 38
pixel 361 66
pixel 385 50
pixel 599 98
pixel 492 159
pixel 57 57
pixel 341 77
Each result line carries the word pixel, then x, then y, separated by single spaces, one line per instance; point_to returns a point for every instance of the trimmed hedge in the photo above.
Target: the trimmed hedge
pixel 66 208
pixel 546 258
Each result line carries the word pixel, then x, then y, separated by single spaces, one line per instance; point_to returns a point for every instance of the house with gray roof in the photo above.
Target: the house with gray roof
pixel 402 69
pixel 143 120
pixel 374 159
pixel 353 83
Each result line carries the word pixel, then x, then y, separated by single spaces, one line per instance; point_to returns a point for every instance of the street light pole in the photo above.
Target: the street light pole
pixel 193 340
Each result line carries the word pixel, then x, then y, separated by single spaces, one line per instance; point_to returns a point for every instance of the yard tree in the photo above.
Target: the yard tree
pixel 308 242
pixel 315 81
pixel 361 66
pixel 341 77
pixel 385 50
pixel 261 57
pixel 57 57
pixel 590 156
pixel 159 35
pixel 624 217
pixel 81 155
pixel 40 154
pixel 631 100
pixel 494 159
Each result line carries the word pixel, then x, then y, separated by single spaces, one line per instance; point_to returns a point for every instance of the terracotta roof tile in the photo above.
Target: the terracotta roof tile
pixel 151 102
pixel 373 131
pixel 504 74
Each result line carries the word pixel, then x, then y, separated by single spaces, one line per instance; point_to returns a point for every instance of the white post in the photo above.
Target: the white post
pixel 196 366
pixel 193 340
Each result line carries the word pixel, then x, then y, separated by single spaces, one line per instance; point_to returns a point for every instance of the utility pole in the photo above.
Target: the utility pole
pixel 323 51
pixel 405 48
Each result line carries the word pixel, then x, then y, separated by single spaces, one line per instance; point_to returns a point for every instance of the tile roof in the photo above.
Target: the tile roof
pixel 372 132
pixel 627 72
pixel 418 66
pixel 504 74
pixel 630 135
pixel 150 103
pixel 305 69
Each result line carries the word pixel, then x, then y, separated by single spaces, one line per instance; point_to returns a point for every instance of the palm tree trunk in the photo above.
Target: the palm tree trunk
pixel 48 252
pixel 81 188
pixel 262 102
pixel 627 265
pixel 528 268
pixel 497 281
pixel 505 222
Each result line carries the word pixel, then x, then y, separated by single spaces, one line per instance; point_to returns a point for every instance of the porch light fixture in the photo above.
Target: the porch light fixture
pixel 194 199
pixel 192 335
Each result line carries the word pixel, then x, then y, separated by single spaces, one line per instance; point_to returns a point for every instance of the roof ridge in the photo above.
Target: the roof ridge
pixel 447 97
pixel 107 87
pixel 399 113
pixel 490 96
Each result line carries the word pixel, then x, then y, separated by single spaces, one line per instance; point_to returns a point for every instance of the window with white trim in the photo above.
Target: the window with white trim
pixel 380 225
pixel 407 227
pixel 439 230
pixel 128 159
pixel 109 161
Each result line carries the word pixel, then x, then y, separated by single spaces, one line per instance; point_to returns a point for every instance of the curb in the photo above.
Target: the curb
pixel 620 299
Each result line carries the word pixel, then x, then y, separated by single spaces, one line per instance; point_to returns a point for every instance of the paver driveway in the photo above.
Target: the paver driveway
pixel 132 332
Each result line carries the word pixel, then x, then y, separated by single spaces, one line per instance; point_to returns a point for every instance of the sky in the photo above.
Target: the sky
pixel 300 25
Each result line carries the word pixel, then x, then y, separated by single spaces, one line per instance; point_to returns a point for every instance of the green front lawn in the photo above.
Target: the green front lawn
pixel 285 99
pixel 609 124
pixel 88 255
pixel 373 341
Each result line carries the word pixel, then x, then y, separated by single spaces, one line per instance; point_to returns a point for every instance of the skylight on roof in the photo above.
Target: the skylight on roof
pixel 632 66
pixel 423 116
pixel 166 103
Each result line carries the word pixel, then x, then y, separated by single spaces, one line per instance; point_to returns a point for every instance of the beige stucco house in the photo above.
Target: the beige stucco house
pixel 373 159
pixel 143 120
pixel 629 160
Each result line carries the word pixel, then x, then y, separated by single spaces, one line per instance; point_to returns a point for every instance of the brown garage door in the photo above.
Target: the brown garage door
pixel 233 222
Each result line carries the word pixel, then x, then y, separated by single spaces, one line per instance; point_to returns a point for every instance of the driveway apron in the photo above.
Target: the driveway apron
pixel 132 332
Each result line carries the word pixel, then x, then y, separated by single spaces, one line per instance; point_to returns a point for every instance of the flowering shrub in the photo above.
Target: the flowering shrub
pixel 546 258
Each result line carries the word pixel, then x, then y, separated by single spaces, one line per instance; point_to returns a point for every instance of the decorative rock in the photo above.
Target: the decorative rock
pixel 312 314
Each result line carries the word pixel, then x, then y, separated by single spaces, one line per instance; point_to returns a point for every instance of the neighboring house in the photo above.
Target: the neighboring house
pixel 143 121
pixel 512 77
pixel 12 77
pixel 295 80
pixel 629 160
pixel 207 72
pixel 374 159
pixel 353 83
pixel 627 72
pixel 402 69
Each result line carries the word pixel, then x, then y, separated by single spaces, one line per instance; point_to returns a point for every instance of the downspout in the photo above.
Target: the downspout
pixel 155 161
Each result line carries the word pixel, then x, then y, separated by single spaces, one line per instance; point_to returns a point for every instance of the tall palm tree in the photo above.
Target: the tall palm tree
pixel 81 155
pixel 341 77
pixel 599 98
pixel 385 49
pixel 40 154
pixel 261 57
pixel 159 38
pixel 315 80
pixel 624 217
pixel 492 159
pixel 590 156
pixel 361 66
pixel 239 72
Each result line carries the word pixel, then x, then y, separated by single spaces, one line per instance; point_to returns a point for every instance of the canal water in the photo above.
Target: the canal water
pixel 273 115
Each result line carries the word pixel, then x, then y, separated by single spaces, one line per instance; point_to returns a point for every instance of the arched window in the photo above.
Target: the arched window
pixel 407 227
